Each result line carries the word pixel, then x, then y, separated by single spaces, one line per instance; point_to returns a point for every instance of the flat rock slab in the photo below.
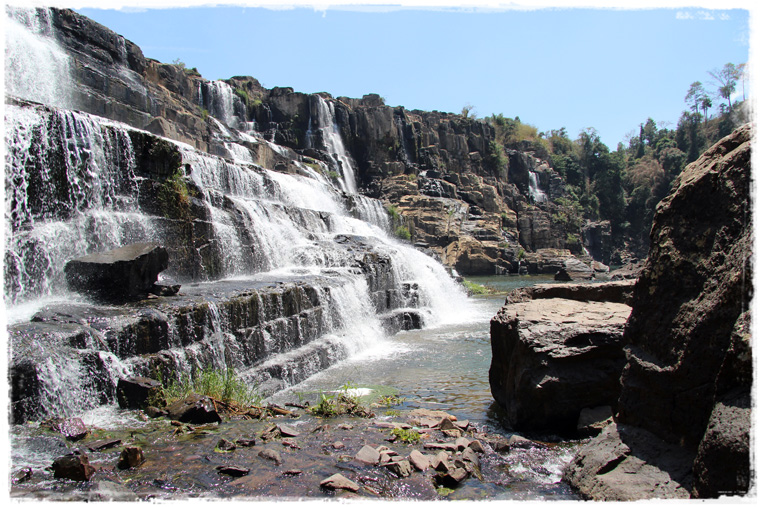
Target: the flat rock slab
pixel 338 481
pixel 551 358
pixel 122 273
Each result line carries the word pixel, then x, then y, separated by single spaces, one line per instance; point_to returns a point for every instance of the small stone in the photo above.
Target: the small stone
pixel 225 445
pixel 155 412
pixel 446 424
pixel 368 455
pixel 100 445
pixel 501 446
pixel 440 462
pixel 131 457
pixel 289 442
pixel 74 466
pixel 477 446
pixel 292 471
pixel 462 425
pixel 272 455
pixel 401 468
pixel 462 443
pixel 346 426
pixel 73 429
pixel 288 431
pixel 246 442
pixel 338 445
pixel 469 455
pixel 384 459
pixel 518 442
pixel 419 460
pixel 453 433
pixel 338 481
pixel 233 471
pixel 271 433
pixel 454 477
pixel 22 476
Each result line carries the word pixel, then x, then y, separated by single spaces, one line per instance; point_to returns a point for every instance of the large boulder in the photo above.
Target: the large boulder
pixel 554 357
pixel 688 372
pixel 121 273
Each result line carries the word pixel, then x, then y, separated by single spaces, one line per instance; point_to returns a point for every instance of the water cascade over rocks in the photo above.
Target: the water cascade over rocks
pixel 284 272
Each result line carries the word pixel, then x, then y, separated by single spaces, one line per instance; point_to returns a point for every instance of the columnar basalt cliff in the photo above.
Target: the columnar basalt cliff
pixel 437 170
pixel 686 384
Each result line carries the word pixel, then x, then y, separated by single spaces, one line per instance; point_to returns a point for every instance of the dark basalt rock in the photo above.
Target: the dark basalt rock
pixel 123 273
pixel 688 375
pixel 195 409
pixel 138 392
pixel 74 466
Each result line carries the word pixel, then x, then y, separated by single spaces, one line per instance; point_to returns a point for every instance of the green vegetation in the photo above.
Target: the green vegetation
pixel 174 197
pixel 222 385
pixel 475 288
pixel 410 436
pixel 403 232
pixel 624 185
pixel 342 402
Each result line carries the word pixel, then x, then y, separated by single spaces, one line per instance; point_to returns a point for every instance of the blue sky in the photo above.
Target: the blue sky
pixel 565 66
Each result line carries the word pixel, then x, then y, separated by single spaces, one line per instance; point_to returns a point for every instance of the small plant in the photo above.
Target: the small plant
pixel 521 254
pixel 393 212
pixel 326 406
pixel 410 436
pixel 204 113
pixel 174 196
pixel 333 175
pixel 392 413
pixel 223 385
pixel 411 177
pixel 402 232
pixel 390 400
pixel 475 288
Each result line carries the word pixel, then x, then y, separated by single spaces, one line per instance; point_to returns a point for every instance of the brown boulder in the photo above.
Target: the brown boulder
pixel 554 357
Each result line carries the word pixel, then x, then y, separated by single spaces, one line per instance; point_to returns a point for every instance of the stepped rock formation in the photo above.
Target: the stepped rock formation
pixel 686 385
pixel 435 168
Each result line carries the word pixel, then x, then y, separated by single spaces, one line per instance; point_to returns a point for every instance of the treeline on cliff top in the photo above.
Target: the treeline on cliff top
pixel 625 185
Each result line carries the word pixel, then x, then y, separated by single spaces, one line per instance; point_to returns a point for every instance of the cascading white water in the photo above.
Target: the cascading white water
pixel 332 142
pixel 536 194
pixel 36 67
pixel 70 190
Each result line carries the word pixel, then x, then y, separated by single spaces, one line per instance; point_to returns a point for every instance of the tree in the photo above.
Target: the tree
pixel 695 95
pixel 726 78
pixel 468 111
pixel 706 104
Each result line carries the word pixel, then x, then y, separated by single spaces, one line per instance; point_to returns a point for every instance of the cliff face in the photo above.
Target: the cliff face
pixel 436 169
pixel 688 375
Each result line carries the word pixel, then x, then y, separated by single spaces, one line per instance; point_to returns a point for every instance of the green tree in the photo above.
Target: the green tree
pixel 694 96
pixel 726 79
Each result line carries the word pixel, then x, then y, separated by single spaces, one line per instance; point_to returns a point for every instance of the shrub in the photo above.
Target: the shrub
pixel 402 232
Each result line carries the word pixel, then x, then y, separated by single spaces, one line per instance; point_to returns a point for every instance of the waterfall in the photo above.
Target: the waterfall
pixel 282 274
pixel 536 194
pixel 70 190
pixel 327 136
pixel 36 67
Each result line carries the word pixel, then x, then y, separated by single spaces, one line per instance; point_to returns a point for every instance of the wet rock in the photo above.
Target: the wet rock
pixel 368 455
pixel 292 472
pixel 462 443
pixel 74 466
pixel 477 446
pixel 225 445
pixel 246 442
pixel 593 420
pixel 155 412
pixel 551 358
pixel 338 445
pixel 401 468
pixel 22 476
pixel 138 392
pixel 338 481
pixel 440 462
pixel 501 446
pixel 195 409
pixel 453 478
pixel 289 442
pixel 271 455
pixel 272 432
pixel 520 442
pixel 625 463
pixel 471 456
pixel 453 433
pixel 288 431
pixel 72 428
pixel 101 445
pixel 233 471
pixel 131 457
pixel 118 274
pixel 419 460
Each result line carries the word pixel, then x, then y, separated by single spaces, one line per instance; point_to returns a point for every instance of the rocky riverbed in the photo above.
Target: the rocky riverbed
pixel 382 450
